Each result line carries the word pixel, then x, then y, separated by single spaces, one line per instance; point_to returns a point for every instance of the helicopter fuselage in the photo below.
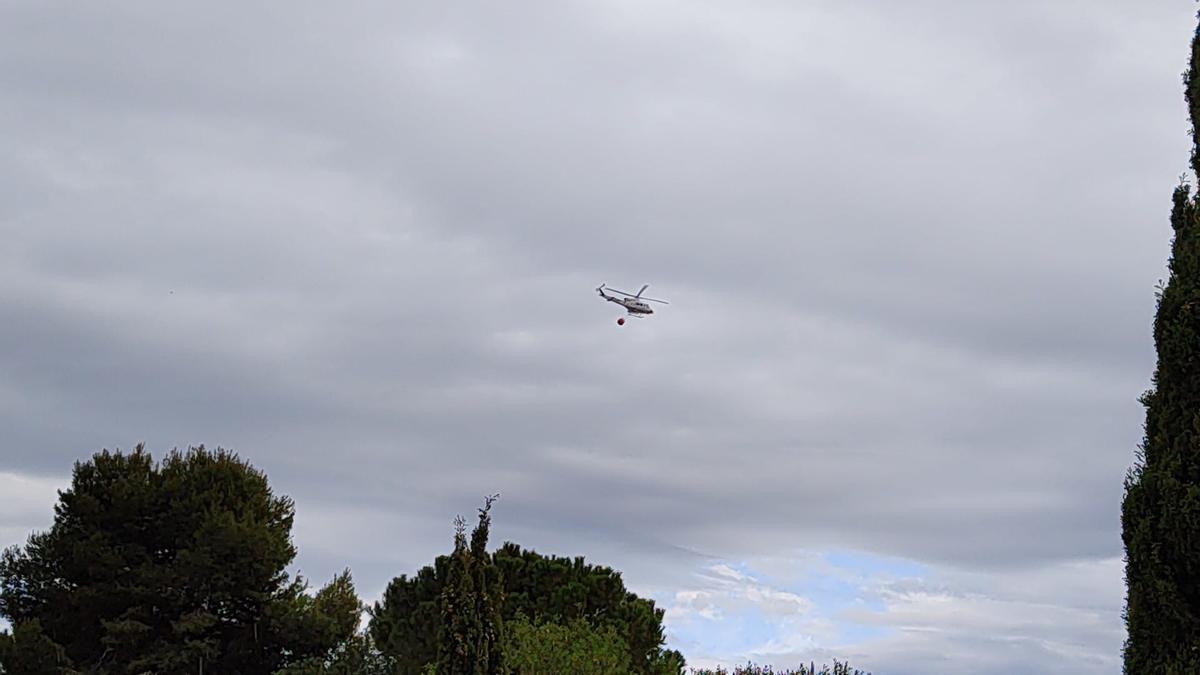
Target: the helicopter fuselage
pixel 634 304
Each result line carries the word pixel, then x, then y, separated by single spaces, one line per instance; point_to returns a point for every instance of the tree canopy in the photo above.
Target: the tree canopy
pixel 165 566
pixel 576 648
pixel 545 589
pixel 355 656
pixel 29 652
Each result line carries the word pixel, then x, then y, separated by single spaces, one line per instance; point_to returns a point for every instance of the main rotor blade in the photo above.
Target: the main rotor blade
pixel 642 291
pixel 621 292
pixel 653 300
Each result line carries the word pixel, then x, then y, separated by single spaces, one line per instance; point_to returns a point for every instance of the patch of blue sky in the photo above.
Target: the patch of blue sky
pixel 845 579
pixel 732 636
pixel 844 582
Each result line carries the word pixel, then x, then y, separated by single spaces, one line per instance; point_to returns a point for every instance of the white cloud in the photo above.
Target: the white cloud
pixel 725 591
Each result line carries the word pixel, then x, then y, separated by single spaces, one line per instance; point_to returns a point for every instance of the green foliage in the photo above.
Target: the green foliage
pixel 470 632
pixel 550 649
pixel 333 613
pixel 560 590
pixel 548 589
pixel 164 567
pixel 404 624
pixel 28 651
pixel 355 656
pixel 1160 514
pixel 668 662
pixel 839 668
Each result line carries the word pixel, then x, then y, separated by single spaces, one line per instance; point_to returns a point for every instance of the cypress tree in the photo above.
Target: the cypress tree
pixel 471 630
pixel 1160 514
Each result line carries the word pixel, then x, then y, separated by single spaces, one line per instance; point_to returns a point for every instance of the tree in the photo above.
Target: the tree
pixel 405 623
pixel 356 656
pixel 171 567
pixel 1160 514
pixel 839 668
pixel 547 589
pixel 561 590
pixel 550 648
pixel 471 630
pixel 29 652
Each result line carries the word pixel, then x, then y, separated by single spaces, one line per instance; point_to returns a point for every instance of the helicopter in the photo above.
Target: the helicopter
pixel 634 304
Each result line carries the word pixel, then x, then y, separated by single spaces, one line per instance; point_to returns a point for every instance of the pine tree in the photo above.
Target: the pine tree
pixel 471 630
pixel 29 652
pixel 162 567
pixel 1161 511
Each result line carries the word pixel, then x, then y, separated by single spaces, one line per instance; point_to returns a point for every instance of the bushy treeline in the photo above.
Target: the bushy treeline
pixel 179 566
pixel 838 668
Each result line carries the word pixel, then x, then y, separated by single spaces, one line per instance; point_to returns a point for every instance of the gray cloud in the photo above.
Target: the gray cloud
pixel 910 252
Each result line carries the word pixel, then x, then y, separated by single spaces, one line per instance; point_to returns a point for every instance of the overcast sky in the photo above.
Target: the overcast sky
pixel 910 253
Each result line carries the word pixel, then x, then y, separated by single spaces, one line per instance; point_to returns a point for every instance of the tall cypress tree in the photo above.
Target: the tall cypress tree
pixel 1161 511
pixel 471 630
